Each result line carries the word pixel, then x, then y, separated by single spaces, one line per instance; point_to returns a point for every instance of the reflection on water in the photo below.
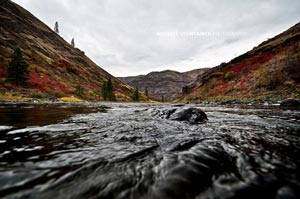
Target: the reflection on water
pixel 79 151
pixel 22 115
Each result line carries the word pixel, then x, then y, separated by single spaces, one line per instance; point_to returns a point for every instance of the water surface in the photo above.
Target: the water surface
pixel 130 151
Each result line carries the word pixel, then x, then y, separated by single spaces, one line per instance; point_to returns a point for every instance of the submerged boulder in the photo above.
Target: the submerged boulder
pixel 290 103
pixel 191 115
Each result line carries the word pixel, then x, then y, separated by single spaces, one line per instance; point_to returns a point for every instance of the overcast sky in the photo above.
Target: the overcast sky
pixel 131 37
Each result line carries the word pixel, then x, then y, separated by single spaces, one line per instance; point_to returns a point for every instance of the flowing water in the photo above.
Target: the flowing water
pixel 130 151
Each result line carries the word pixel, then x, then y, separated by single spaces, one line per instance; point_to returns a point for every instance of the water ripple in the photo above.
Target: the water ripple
pixel 133 151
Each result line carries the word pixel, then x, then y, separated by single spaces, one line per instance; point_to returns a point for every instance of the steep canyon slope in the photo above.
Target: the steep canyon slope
pixel 270 71
pixel 56 68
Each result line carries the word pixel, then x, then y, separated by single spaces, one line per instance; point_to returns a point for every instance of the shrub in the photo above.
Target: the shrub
pixel 292 69
pixel 273 80
pixel 5 51
pixel 59 94
pixel 185 90
pixel 38 95
pixel 70 99
pixel 229 75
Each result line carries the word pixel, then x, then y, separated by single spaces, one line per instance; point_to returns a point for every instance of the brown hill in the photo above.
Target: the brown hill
pixel 56 68
pixel 271 71
pixel 195 73
pixel 166 83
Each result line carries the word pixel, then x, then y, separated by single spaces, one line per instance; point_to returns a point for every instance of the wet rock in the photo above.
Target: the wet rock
pixel 191 115
pixel 229 102
pixel 290 103
pixel 178 105
pixel 163 113
pixel 168 113
pixel 286 192
pixel 185 145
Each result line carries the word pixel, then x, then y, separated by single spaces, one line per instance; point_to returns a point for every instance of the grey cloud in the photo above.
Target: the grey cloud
pixel 121 36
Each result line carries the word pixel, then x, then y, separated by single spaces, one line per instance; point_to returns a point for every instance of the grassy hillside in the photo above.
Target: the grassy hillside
pixel 56 68
pixel 271 71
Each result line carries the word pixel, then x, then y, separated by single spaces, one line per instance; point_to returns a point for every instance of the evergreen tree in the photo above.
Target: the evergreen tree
pixel 111 96
pixel 56 28
pixel 109 85
pixel 17 68
pixel 73 42
pixel 107 91
pixel 104 90
pixel 136 95
pixel 79 91
pixel 185 89
pixel 146 91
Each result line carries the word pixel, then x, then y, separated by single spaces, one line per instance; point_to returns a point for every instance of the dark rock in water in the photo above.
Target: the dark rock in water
pixel 168 113
pixel 290 103
pixel 192 115
pixel 178 105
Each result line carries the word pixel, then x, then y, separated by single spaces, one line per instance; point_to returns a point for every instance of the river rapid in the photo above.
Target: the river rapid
pixel 131 151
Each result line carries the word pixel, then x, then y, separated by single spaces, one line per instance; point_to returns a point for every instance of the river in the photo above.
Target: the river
pixel 116 151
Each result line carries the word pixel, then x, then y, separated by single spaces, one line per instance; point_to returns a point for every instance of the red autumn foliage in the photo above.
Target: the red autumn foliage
pixel 243 80
pixel 260 58
pixel 223 86
pixel 238 67
pixel 74 70
pixel 3 72
pixel 115 91
pixel 265 57
pixel 194 91
pixel 67 66
pixel 41 82
pixel 89 86
pixel 63 62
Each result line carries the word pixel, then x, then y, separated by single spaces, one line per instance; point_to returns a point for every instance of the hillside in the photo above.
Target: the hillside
pixel 166 83
pixel 270 71
pixel 195 73
pixel 56 68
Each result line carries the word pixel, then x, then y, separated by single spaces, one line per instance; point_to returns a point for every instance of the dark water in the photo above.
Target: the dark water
pixel 79 151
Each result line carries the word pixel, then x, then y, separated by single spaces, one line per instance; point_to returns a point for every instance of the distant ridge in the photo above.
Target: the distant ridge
pixel 167 84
